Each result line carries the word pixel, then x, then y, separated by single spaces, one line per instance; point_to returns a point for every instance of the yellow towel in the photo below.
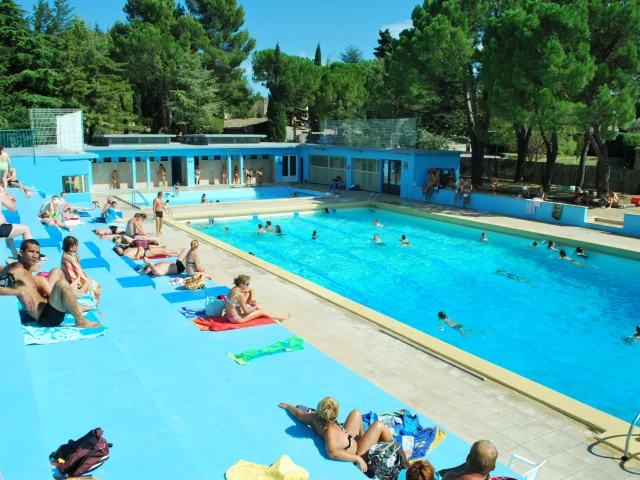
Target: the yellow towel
pixel 440 434
pixel 283 469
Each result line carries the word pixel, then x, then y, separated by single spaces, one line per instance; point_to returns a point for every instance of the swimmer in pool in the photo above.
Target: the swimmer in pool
pixel 269 228
pixel 225 230
pixel 326 210
pixel 580 252
pixel 314 235
pixel 533 245
pixel 483 237
pixel 405 241
pixel 261 230
pixel 635 337
pixel 376 240
pixel 279 230
pixel 511 276
pixel 552 246
pixel 376 223
pixel 442 318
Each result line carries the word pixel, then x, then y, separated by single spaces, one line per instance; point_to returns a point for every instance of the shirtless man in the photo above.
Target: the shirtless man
pixel 9 230
pixel 135 228
pixel 481 461
pixel 46 301
pixel 158 212
pixel 223 172
pixel 259 174
pixel 247 177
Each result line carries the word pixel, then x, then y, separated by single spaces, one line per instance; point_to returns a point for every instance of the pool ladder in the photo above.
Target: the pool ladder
pixel 626 445
pixel 373 197
pixel 144 200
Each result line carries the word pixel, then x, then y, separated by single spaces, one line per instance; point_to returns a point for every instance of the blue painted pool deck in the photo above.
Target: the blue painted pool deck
pixel 166 394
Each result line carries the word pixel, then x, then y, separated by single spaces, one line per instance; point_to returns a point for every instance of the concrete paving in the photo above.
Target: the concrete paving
pixel 469 407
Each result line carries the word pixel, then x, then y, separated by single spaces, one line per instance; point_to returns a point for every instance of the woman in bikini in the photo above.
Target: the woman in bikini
pixel 53 220
pixel 192 263
pixel 241 305
pixel 236 175
pixel 346 442
pixel 223 172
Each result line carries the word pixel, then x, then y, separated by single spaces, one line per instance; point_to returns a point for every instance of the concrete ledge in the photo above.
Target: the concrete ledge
pixel 595 419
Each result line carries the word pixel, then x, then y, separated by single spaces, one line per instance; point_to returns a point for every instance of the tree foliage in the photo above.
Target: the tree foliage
pixel 351 54
pixel 385 44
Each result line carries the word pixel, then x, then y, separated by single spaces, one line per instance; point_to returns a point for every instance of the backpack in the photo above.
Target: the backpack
pixel 77 457
pixel 386 460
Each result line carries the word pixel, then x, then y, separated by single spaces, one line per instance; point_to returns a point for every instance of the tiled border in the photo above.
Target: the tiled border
pixel 611 430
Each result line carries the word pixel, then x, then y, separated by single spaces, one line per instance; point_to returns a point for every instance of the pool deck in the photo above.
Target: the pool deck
pixel 467 406
pixel 152 366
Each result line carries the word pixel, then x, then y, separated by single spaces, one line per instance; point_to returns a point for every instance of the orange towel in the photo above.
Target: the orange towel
pixel 220 324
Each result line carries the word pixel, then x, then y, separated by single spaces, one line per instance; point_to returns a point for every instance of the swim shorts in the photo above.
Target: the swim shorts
pixel 180 267
pixel 114 229
pixel 5 230
pixel 159 214
pixel 50 317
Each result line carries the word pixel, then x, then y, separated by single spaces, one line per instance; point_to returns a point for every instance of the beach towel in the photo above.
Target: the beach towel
pixel 191 313
pixel 283 469
pixel 408 432
pixel 557 211
pixel 222 323
pixel 157 256
pixel 66 332
pixel 291 344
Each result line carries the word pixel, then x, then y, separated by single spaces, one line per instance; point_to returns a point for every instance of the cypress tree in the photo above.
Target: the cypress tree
pixel 314 120
pixel 276 112
pixel 385 44
pixel 318 59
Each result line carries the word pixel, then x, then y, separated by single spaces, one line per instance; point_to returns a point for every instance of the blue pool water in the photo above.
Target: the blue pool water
pixel 565 330
pixel 238 194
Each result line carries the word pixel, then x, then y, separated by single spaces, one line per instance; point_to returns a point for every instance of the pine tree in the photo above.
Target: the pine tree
pixel 318 59
pixel 62 15
pixel 351 54
pixel 314 119
pixel 42 16
pixel 385 44
pixel 28 78
pixel 276 112
pixel 228 47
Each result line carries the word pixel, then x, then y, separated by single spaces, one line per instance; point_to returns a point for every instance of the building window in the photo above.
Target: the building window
pixel 265 156
pixel 217 157
pixel 75 184
pixel 254 157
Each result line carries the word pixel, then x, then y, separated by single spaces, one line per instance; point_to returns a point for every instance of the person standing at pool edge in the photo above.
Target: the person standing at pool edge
pixel 158 212
pixel 223 172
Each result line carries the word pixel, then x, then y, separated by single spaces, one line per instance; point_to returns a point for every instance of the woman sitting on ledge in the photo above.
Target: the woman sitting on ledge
pixel 345 442
pixel 241 305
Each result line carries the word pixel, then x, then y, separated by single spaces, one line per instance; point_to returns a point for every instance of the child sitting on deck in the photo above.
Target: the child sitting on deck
pixel 74 274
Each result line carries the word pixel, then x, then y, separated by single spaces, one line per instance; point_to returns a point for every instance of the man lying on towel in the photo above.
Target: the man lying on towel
pixel 46 301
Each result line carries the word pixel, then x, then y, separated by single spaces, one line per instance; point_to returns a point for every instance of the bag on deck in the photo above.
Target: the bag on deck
pixel 214 307
pixel 77 457
pixel 386 460
pixel 194 283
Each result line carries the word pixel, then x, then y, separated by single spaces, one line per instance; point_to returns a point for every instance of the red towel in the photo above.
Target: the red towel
pixel 220 324
pixel 157 256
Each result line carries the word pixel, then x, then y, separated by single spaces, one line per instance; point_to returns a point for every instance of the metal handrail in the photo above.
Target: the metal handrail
pixel 374 199
pixel 626 445
pixel 133 198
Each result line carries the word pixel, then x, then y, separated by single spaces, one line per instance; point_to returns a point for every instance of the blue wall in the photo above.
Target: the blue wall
pixel 47 172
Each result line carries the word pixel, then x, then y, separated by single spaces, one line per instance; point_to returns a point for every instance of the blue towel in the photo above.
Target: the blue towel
pixel 191 313
pixel 66 332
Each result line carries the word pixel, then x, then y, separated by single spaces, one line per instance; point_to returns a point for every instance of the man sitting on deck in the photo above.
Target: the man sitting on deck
pixel 135 229
pixel 46 301
pixel 481 461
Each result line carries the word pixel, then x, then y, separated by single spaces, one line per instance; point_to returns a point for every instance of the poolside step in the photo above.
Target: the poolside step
pixel 610 221
pixel 22 452
pixel 138 281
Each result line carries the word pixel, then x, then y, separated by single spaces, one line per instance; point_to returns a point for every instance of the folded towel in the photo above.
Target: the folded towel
pixel 66 332
pixel 291 344
pixel 222 323
pixel 530 208
pixel 283 469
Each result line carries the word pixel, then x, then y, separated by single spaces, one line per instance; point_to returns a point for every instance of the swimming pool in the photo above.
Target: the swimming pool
pixel 238 194
pixel 561 325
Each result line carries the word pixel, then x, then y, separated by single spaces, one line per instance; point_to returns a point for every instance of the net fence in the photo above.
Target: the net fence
pixel 57 128
pixel 378 133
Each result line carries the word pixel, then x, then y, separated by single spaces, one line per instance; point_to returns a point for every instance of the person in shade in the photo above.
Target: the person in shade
pixel 480 462
pixel 241 305
pixel 47 301
pixel 344 442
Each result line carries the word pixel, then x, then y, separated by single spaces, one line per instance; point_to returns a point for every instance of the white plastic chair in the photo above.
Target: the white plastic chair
pixel 531 474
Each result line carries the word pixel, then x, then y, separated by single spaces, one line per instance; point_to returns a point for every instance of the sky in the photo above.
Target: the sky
pixel 297 25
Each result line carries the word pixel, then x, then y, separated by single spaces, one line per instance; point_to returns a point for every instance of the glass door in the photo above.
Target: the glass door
pixel 289 168
pixel 391 177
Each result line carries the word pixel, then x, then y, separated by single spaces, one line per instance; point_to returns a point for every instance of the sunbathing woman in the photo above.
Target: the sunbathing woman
pixel 240 303
pixel 75 275
pixel 160 269
pixel 192 263
pixel 345 442
pixel 154 246
pixel 53 220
